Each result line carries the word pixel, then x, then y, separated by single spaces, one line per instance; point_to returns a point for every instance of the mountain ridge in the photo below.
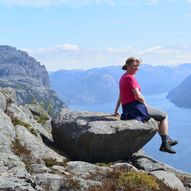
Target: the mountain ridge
pixel 28 77
pixel 94 85
pixel 180 95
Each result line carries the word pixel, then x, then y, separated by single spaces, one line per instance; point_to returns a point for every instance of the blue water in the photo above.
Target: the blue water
pixel 179 128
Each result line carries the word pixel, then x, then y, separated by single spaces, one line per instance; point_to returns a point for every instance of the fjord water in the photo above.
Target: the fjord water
pixel 179 128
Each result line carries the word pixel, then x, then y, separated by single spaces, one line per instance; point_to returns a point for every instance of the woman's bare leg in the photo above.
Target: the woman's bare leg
pixel 163 126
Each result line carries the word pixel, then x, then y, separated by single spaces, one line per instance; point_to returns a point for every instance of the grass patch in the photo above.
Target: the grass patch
pixel 103 164
pixel 22 152
pixel 49 162
pixel 17 121
pixel 130 181
pixel 48 107
pixel 73 184
pixel 19 149
pixel 42 119
pixel 138 179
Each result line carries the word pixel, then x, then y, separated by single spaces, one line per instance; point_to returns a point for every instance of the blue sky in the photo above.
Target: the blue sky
pixel 81 34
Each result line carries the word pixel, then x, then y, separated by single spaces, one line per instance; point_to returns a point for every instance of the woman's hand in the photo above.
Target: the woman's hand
pixel 116 114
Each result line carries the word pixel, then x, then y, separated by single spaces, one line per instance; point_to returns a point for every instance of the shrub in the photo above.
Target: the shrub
pixel 128 181
pixel 138 179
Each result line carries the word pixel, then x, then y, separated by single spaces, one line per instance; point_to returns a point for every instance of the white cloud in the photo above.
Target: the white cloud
pixel 58 48
pixel 69 56
pixel 47 3
pixel 68 47
pixel 159 50
pixel 121 50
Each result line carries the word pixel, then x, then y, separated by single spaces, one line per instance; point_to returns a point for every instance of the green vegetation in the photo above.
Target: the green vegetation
pixel 17 121
pixel 42 119
pixel 47 107
pixel 104 164
pixel 128 181
pixel 50 109
pixel 138 180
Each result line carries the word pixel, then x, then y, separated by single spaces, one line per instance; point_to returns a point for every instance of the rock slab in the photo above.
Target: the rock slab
pixel 97 137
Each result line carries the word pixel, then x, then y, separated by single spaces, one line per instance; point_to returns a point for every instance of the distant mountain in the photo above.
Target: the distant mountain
pixel 100 85
pixel 181 95
pixel 86 86
pixel 161 79
pixel 27 76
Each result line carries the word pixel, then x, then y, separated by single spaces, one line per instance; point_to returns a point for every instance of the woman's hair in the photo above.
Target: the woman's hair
pixel 129 61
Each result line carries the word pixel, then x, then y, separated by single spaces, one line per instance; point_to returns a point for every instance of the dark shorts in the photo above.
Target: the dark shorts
pixel 135 110
pixel 157 114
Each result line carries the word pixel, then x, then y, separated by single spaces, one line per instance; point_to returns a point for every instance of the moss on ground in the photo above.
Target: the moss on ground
pixel 130 181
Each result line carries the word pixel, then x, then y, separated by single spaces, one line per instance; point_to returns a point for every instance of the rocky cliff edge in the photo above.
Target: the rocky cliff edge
pixel 30 159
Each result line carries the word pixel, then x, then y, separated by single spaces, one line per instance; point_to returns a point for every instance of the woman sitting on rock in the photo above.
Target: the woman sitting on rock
pixel 134 105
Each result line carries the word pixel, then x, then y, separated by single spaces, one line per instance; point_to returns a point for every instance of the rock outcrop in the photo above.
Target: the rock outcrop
pixel 30 161
pixel 174 178
pixel 96 137
pixel 22 152
pixel 28 77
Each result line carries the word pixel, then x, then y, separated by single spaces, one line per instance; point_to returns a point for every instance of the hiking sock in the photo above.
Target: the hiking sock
pixel 164 139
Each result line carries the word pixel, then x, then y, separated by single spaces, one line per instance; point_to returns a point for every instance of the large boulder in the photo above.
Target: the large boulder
pixel 96 137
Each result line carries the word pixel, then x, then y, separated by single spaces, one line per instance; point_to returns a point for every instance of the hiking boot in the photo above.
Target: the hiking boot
pixel 172 142
pixel 167 148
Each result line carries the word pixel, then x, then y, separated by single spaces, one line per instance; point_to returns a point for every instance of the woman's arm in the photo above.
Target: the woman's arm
pixel 117 106
pixel 139 97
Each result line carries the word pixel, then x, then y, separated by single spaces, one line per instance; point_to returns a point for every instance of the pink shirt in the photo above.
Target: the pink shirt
pixel 126 84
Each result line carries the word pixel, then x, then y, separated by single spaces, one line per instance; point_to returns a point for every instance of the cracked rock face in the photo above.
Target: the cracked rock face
pixel 23 155
pixel 28 77
pixel 96 137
